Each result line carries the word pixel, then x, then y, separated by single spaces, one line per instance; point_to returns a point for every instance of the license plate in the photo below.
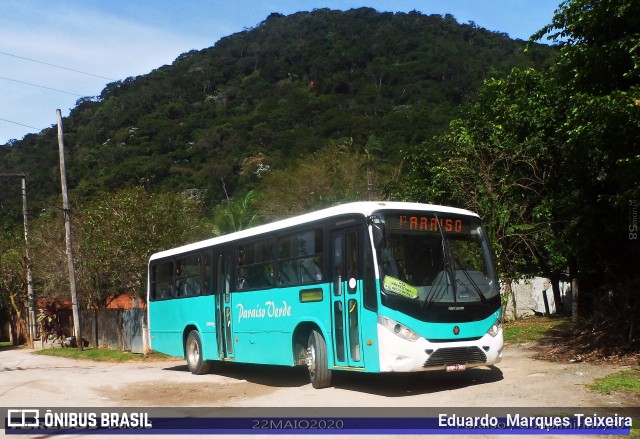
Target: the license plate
pixel 456 368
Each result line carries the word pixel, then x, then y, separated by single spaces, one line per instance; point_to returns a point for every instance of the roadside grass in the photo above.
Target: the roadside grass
pixel 101 354
pixel 5 344
pixel 532 329
pixel 624 381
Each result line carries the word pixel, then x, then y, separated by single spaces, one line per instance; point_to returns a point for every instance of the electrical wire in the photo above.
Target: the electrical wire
pixel 18 123
pixel 56 66
pixel 41 86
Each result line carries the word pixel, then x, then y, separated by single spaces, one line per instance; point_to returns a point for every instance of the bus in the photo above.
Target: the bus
pixel 365 286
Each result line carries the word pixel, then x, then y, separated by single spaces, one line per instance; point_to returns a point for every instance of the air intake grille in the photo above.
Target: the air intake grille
pixel 450 356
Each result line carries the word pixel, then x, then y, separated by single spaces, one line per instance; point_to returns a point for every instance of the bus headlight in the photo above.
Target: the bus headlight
pixel 398 328
pixel 495 328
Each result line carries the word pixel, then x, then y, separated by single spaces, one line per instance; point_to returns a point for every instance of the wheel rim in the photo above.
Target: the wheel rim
pixel 194 352
pixel 311 359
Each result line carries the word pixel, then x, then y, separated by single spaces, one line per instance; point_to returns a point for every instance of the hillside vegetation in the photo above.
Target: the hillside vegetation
pixel 267 97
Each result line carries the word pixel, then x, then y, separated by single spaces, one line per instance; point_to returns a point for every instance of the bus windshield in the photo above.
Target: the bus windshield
pixel 434 257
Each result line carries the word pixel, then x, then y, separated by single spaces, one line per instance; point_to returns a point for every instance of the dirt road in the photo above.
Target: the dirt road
pixel 519 381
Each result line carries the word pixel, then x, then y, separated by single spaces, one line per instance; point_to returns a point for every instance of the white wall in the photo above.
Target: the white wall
pixel 529 296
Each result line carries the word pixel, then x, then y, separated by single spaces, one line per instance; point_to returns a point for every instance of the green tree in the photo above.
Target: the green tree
pixel 113 239
pixel 598 74
pixel 235 215
pixel 13 287
pixel 495 161
pixel 598 42
pixel 557 152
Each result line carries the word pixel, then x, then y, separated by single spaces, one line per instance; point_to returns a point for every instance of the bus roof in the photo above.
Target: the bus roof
pixel 364 208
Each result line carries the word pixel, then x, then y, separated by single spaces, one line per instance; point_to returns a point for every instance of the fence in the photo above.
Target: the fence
pixel 115 328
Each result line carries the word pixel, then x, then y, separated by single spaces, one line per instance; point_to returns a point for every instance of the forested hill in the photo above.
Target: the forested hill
pixel 278 91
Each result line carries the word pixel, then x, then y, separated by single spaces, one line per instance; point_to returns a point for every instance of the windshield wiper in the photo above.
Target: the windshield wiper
pixel 447 256
pixel 435 293
pixel 446 264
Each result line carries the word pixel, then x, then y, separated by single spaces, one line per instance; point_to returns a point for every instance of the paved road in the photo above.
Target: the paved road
pixel 519 381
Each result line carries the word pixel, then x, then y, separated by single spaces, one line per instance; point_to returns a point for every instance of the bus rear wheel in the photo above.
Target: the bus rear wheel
pixel 317 361
pixel 195 360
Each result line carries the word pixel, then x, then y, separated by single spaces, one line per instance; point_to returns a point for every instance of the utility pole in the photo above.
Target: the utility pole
pixel 67 225
pixel 30 295
pixel 31 298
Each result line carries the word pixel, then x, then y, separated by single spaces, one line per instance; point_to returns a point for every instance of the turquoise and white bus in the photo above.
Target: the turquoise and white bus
pixel 366 286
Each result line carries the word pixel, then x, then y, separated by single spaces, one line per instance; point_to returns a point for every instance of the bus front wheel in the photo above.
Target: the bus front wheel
pixel 195 360
pixel 317 361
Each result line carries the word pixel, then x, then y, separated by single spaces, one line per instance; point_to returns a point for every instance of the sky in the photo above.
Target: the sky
pixel 53 53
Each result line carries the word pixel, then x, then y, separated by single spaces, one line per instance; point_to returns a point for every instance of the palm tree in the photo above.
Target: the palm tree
pixel 233 215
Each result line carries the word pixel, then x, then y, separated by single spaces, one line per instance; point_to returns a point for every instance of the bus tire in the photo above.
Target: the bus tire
pixel 195 360
pixel 317 361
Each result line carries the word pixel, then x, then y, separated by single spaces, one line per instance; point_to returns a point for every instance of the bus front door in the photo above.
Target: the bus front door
pixel 346 299
pixel 223 306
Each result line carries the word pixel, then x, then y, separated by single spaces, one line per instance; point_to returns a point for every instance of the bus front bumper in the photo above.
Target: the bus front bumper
pixel 400 355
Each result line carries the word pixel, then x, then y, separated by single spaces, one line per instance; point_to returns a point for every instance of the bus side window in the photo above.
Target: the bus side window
pixel 352 255
pixel 161 276
pixel 300 258
pixel 187 281
pixel 207 279
pixel 337 264
pixel 255 267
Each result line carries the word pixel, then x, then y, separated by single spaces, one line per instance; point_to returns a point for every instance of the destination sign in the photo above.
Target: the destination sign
pixel 428 223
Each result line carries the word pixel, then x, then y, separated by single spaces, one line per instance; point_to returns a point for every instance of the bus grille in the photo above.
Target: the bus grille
pixel 450 356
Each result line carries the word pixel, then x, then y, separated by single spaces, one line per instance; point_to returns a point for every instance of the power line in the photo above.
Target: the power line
pixel 41 86
pixel 57 66
pixel 18 123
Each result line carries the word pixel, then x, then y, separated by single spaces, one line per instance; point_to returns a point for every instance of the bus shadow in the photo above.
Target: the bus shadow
pixel 181 368
pixel 271 376
pixel 407 384
pixel 385 384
